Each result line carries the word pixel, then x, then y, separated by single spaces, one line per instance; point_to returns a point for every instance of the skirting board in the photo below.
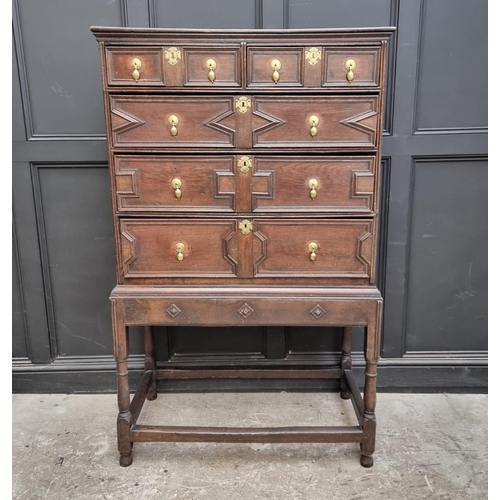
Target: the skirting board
pixel 392 378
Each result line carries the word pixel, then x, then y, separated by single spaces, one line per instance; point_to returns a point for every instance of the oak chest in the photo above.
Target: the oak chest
pixel 245 178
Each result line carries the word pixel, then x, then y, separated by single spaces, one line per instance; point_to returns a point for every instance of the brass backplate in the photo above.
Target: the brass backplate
pixel 173 55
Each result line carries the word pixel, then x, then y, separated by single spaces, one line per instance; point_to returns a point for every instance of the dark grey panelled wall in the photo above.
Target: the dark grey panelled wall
pixel 433 256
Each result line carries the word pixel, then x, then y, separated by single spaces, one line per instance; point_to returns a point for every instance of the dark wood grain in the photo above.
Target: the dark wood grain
pixel 268 275
pixel 155 433
pixel 345 185
pixel 144 183
pixel 120 67
pixel 345 123
pixel 149 248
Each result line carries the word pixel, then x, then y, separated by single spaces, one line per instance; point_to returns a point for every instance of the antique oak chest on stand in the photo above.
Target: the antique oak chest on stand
pixel 245 170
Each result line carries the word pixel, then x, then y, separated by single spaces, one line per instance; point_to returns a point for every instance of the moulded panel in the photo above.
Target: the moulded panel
pixel 453 66
pixel 62 65
pixel 447 284
pixel 172 122
pixel 178 248
pixel 341 248
pixel 339 122
pixel 77 232
pixel 19 347
pixel 216 14
pixel 204 183
pixel 315 185
pixel 339 14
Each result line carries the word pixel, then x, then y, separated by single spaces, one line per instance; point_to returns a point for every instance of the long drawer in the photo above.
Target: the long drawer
pixel 163 184
pixel 341 123
pixel 250 249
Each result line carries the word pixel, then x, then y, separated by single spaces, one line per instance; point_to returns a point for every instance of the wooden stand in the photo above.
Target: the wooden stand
pixel 313 306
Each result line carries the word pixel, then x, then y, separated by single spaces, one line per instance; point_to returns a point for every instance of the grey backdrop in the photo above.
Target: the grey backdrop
pixel 433 257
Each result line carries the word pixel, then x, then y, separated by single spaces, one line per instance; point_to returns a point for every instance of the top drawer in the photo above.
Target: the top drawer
pixel 313 67
pixel 215 67
pixel 188 66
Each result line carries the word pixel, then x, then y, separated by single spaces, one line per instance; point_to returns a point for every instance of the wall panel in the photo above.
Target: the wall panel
pixel 60 65
pixel 452 67
pixel 448 256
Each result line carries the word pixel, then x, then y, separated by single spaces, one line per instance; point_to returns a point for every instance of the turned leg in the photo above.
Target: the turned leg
pixel 121 350
pixel 372 350
pixel 345 360
pixel 150 361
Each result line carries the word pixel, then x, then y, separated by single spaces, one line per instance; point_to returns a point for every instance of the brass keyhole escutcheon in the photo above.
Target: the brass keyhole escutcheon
pixel 313 123
pixel 350 66
pixel 313 184
pixel 136 64
pixel 276 66
pixel 245 226
pixel 211 65
pixel 173 55
pixel 313 55
pixel 312 248
pixel 177 184
pixel 244 164
pixel 179 248
pixel 243 104
pixel 173 122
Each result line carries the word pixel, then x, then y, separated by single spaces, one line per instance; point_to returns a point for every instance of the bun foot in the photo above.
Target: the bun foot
pixel 126 460
pixel 345 395
pixel 151 395
pixel 366 461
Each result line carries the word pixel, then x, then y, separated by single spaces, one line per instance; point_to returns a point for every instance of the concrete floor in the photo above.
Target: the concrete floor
pixel 429 446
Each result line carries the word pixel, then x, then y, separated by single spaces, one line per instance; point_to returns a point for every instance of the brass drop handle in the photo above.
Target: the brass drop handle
pixel 313 184
pixel 211 65
pixel 350 66
pixel 179 248
pixel 312 248
pixel 177 184
pixel 276 66
pixel 313 123
pixel 136 64
pixel 173 121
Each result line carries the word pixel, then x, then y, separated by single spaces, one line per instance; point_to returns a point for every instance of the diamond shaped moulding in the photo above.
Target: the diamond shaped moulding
pixel 245 310
pixel 317 311
pixel 173 311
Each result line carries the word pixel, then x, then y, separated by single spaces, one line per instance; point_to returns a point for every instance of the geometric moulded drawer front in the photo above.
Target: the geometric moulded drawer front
pixel 135 67
pixel 208 67
pixel 313 185
pixel 184 248
pixel 164 184
pixel 363 65
pixel 286 249
pixel 348 68
pixel 317 248
pixel 172 122
pixel 344 122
